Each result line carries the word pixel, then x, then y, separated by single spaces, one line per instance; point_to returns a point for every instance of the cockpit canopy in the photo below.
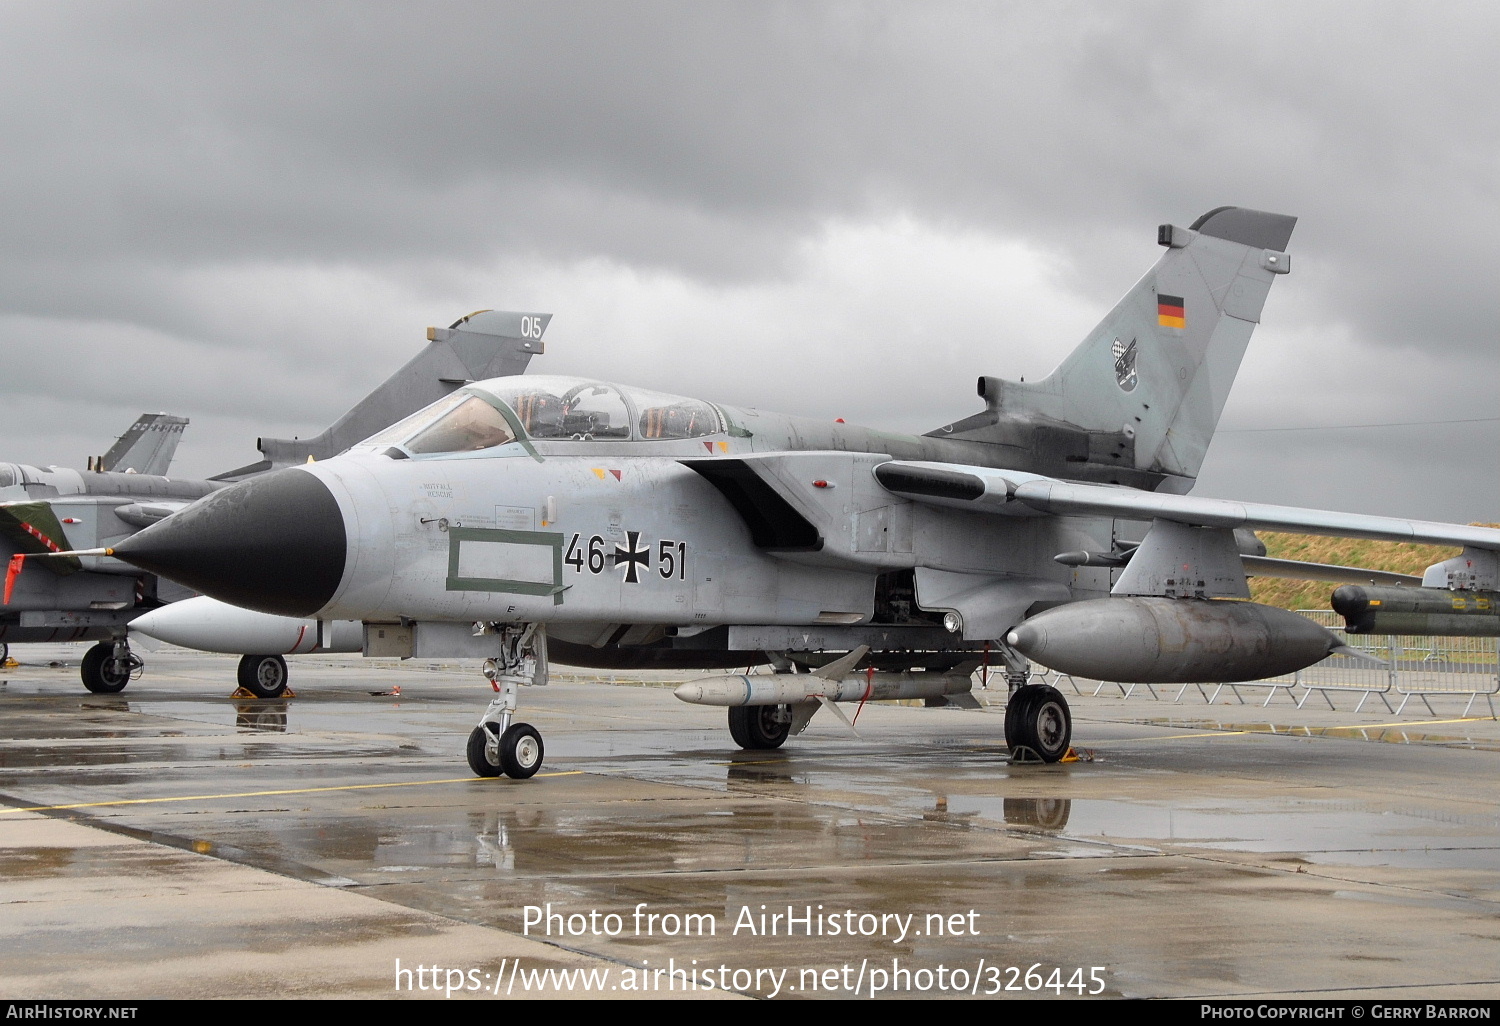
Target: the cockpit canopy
pixel 492 413
pixel 570 409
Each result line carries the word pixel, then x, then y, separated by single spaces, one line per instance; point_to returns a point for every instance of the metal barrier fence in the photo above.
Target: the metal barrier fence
pixel 1400 666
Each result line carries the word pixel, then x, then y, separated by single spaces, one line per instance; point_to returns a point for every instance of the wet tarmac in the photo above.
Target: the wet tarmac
pixel 181 843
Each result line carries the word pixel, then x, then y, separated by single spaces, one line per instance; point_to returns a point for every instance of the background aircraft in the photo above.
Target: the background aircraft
pixel 621 526
pixel 52 509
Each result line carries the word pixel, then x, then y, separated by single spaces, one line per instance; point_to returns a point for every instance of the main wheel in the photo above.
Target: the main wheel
pixel 264 676
pixel 479 758
pixel 100 673
pixel 521 751
pixel 759 726
pixel 1037 718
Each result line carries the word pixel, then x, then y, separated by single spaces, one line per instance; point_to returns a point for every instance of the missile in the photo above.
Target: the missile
pixel 794 688
pixel 1426 611
pixel 213 626
pixel 1148 640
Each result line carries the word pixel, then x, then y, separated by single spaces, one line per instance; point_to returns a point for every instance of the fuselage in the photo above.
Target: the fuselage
pixel 576 503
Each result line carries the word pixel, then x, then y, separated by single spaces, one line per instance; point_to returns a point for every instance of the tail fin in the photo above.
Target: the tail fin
pixel 1139 400
pixel 146 447
pixel 485 344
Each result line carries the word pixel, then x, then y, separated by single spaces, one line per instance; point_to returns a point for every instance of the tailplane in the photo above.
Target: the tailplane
pixel 1138 401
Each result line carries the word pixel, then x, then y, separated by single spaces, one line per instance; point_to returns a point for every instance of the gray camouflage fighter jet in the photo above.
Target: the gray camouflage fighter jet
pixel 621 526
pixel 53 509
pixel 42 509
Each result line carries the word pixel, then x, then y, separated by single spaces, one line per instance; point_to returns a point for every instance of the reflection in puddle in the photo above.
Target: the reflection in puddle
pixel 261 714
pixel 763 768
pixel 105 703
pixel 1049 814
pixel 1344 832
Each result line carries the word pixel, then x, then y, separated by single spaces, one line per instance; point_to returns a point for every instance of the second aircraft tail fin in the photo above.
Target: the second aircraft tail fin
pixel 485 344
pixel 146 447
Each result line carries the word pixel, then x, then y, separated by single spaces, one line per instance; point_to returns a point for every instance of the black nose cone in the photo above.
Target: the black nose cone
pixel 275 543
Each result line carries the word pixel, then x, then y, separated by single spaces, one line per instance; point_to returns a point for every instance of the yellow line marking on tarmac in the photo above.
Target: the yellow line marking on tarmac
pixel 1408 723
pixel 1321 730
pixel 1179 737
pixel 266 794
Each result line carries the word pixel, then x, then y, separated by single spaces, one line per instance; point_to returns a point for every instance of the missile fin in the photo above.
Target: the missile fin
pixel 840 667
pixel 832 707
pixel 802 714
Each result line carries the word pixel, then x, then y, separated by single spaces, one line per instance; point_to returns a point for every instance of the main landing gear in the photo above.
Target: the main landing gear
pixel 497 745
pixel 264 676
pixel 760 727
pixel 109 666
pixel 1038 723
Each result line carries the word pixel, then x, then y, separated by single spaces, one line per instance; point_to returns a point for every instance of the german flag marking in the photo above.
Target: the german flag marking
pixel 1170 312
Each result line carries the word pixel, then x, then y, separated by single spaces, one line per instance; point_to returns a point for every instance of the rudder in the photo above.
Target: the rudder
pixel 1146 387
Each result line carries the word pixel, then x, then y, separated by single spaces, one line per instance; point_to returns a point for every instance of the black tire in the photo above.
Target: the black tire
pixel 479 760
pixel 521 751
pixel 759 727
pixel 264 676
pixel 1012 705
pixel 99 673
pixel 1037 718
pixel 4 653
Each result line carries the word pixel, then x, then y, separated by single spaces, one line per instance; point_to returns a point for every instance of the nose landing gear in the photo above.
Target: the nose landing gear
pixel 497 745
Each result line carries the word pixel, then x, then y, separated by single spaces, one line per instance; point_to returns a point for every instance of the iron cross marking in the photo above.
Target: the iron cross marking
pixel 632 558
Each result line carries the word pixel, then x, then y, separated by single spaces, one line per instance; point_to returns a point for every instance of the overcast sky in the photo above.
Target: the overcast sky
pixel 249 213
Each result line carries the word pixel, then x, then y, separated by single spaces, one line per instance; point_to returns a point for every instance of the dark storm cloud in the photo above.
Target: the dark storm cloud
pixel 163 159
pixel 331 125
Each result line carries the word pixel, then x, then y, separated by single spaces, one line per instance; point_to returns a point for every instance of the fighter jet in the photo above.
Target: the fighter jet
pixel 620 526
pixel 42 509
pixel 50 510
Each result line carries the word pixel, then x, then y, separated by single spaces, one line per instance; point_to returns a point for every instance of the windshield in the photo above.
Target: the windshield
pixel 461 422
pixel 473 424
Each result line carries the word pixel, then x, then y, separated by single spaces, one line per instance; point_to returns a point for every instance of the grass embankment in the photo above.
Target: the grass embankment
pixel 1308 548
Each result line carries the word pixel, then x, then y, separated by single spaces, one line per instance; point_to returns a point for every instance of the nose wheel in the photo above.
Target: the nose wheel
pixel 517 751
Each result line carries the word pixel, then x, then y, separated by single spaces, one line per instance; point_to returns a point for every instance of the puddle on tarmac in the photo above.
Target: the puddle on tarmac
pixel 1399 735
pixel 1347 833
